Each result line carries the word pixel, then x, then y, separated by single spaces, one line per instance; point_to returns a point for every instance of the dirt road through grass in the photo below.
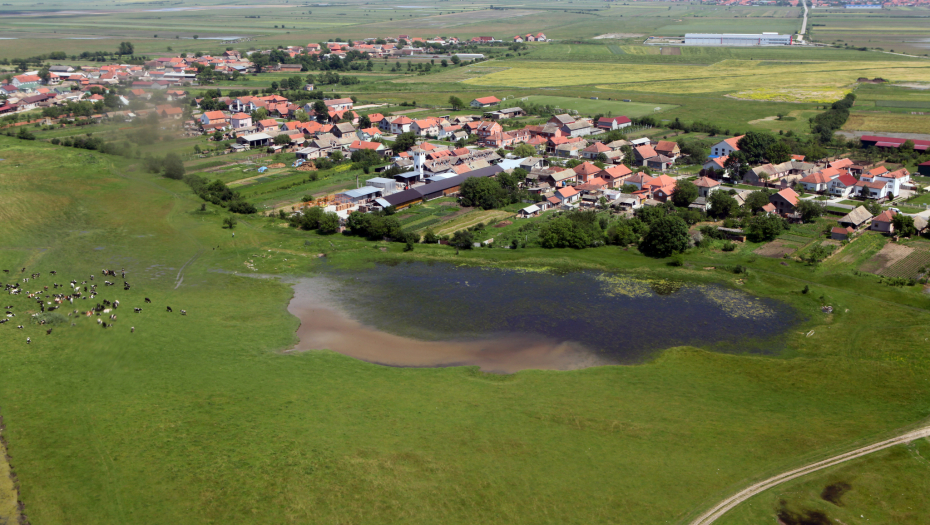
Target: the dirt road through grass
pixel 724 506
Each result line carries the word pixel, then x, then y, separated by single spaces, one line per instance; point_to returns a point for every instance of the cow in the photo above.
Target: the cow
pixel 132 329
pixel 28 340
pixel 183 312
pixel 48 332
pixel 137 310
pixel 115 304
pixel 148 300
pixel 170 310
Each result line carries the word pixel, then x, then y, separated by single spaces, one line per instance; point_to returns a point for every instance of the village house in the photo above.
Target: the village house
pixel 668 148
pixel 855 219
pixel 784 201
pixel 579 128
pixel 241 120
pixel 706 186
pixel 842 186
pixel 567 195
pixel 401 124
pixel 425 127
pixel 485 102
pixel 640 180
pixel 212 117
pixel 820 180
pixel 612 123
pixel 643 153
pixel 503 114
pixel 883 222
pixel 725 147
pixel 339 104
pixel 880 183
pixel 716 166
pixel 615 175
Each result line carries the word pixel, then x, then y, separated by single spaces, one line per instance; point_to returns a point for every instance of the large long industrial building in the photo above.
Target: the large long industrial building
pixel 730 39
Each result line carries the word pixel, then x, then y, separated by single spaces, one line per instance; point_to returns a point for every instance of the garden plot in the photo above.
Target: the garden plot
pixel 908 261
pixel 778 249
pixel 886 258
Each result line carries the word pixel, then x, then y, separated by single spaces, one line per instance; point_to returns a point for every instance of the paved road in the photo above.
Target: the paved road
pixel 721 508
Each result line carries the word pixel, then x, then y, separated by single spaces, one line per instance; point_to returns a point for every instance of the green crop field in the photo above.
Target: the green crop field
pixel 202 418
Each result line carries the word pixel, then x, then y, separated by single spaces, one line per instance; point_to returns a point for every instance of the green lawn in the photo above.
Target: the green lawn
pixel 202 419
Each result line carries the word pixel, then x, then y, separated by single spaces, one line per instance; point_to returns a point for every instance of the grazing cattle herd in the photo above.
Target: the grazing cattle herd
pixel 45 302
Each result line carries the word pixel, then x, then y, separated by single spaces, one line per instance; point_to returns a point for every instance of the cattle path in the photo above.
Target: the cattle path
pixel 721 508
pixel 180 277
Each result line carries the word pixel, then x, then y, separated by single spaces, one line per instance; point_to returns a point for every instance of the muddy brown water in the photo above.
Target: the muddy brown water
pixel 324 325
pixel 421 315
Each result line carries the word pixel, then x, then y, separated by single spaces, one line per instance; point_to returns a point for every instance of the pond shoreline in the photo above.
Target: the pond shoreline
pixel 325 324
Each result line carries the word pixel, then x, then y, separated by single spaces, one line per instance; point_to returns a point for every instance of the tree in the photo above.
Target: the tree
pixel 281 139
pixel 904 225
pixel 756 200
pixel 320 110
pixel 404 141
pixel 484 192
pixel 364 122
pixel 722 205
pixel 629 188
pixel 463 239
pixel 809 210
pixel 174 168
pixel 524 150
pixel 577 229
pixel 685 193
pixel 667 235
pixel 329 223
pixel 301 115
pixel 456 60
pixel 765 227
pixel 229 222
pixel 779 152
pixel 126 48
pixel 755 146
pixel 456 103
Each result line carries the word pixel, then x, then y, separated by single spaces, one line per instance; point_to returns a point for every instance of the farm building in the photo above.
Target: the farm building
pixel 359 195
pixel 734 39
pixel 892 142
pixel 255 140
pixel 924 169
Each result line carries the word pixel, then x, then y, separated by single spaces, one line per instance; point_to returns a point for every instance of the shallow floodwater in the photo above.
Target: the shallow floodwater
pixel 425 315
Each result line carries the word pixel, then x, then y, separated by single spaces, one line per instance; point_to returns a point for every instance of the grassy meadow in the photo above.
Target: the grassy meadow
pixel 202 419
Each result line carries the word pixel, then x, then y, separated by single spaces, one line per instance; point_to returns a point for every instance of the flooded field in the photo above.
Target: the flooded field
pixel 417 314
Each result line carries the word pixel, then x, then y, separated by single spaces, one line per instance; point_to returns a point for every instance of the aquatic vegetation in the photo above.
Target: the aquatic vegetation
pixel 737 304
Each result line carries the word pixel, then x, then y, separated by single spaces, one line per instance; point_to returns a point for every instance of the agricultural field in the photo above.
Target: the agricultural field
pixel 888 122
pixel 729 76
pixel 909 260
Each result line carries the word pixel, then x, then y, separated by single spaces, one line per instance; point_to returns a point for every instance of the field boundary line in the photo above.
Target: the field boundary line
pixel 724 506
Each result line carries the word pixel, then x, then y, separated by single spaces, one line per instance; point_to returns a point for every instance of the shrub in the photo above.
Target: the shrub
pixel 729 246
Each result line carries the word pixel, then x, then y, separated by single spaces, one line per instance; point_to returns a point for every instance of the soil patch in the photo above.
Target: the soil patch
pixel 503 223
pixel 777 249
pixel 9 496
pixel 890 254
pixel 619 35
pixel 670 51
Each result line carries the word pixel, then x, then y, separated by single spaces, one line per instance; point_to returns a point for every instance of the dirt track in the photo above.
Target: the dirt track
pixel 721 508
